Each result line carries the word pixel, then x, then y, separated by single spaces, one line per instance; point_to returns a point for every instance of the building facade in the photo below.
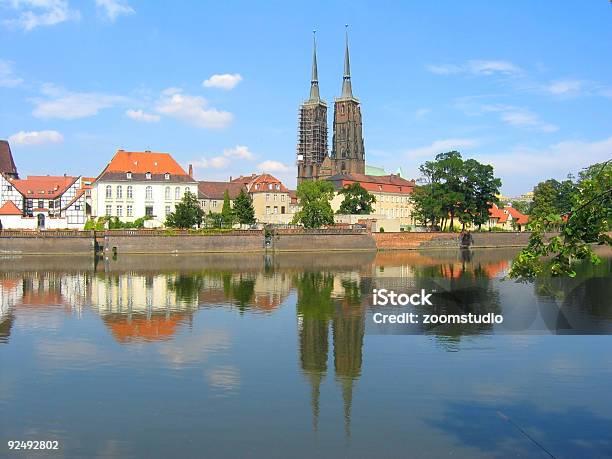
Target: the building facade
pixel 348 151
pixel 140 184
pixel 272 200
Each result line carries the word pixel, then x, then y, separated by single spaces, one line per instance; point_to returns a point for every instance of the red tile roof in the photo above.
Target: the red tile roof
pixel 9 208
pixel 141 162
pixel 386 183
pixel 43 186
pixel 216 190
pixel 260 183
pixel 520 217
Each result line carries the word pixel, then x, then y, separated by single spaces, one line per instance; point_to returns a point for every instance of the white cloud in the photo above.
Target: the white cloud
pixel 476 67
pixel 40 13
pixel 273 166
pixel 225 81
pixel 69 105
pixel 7 76
pixel 192 110
pixel 422 113
pixel 114 8
pixel 442 146
pixel 35 138
pixel 523 167
pixel 564 87
pixel 225 159
pixel 521 117
pixel 140 115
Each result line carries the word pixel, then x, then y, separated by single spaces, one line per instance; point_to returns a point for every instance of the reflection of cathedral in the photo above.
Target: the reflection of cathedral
pixel 317 309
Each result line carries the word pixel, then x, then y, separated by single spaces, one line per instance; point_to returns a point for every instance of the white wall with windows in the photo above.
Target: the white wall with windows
pixel 130 200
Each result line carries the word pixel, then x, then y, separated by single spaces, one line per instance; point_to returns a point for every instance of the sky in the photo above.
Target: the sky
pixel 525 86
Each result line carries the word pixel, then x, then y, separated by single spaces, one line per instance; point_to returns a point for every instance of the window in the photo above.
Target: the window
pixel 257 186
pixel 187 190
pixel 177 193
pixel 148 176
pixel 50 204
pixel 275 196
pixel 128 175
pixel 77 207
pixel 167 193
pixel 282 209
pixel 129 192
pixel 41 204
pixel 108 210
pixel 167 176
pixel 267 210
pixel 167 210
pixel 269 186
pixel 149 192
pixel 275 209
pixel 109 192
pixel 149 211
pixel 129 211
pixel 267 196
pixel 119 211
pixel 119 192
pixel 282 197
pixel 278 186
pixel 214 203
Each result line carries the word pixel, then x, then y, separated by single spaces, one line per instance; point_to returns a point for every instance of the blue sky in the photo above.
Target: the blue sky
pixel 526 86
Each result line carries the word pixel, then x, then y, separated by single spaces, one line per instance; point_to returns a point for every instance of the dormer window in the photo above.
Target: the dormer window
pixel 148 176
pixel 277 186
pixel 128 175
pixel 269 186
pixel 167 176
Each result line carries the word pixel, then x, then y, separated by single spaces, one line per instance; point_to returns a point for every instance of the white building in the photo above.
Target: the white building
pixel 42 202
pixel 139 184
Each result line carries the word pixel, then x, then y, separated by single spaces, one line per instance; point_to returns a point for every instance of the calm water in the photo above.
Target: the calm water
pixel 256 356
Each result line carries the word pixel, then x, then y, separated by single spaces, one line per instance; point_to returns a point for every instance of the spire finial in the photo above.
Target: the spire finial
pixel 314 79
pixel 347 90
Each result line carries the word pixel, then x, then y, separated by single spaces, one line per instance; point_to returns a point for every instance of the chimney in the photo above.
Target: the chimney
pixel 230 178
pixel 191 170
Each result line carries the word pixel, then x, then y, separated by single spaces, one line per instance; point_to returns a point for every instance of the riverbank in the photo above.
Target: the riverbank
pixel 113 242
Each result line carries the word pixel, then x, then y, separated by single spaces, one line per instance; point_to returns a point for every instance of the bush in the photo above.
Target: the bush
pixel 382 230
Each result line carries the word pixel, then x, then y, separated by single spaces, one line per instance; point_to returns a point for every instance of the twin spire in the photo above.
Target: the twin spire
pixel 347 89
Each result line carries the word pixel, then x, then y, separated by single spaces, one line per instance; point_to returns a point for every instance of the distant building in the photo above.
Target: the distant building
pixel 212 194
pixel 392 195
pixel 7 164
pixel 272 200
pixel 348 152
pixel 507 218
pixel 379 171
pixel 139 184
pixel 42 202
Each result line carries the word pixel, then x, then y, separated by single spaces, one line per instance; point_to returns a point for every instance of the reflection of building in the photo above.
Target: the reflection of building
pixel 316 310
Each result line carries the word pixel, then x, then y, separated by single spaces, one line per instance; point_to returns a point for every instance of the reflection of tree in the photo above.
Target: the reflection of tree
pixel 241 288
pixel 460 289
pixel 186 287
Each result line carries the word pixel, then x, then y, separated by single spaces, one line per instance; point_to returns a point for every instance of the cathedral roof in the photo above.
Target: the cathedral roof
pixel 7 165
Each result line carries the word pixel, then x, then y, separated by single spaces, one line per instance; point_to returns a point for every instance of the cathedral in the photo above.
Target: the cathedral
pixel 347 152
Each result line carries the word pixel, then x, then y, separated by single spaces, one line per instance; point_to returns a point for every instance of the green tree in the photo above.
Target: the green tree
pixel 521 206
pixel 314 197
pixel 226 210
pixel 243 208
pixel 455 189
pixel 187 213
pixel 357 200
pixel 587 223
pixel 551 199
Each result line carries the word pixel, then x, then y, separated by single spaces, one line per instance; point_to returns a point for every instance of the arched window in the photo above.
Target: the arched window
pixel 109 192
pixel 149 192
pixel 119 192
pixel 177 193
pixel 167 192
pixel 167 176
pixel 187 190
pixel 148 176
pixel 129 192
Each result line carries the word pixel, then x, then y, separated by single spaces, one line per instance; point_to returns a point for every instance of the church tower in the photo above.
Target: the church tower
pixel 312 130
pixel 348 153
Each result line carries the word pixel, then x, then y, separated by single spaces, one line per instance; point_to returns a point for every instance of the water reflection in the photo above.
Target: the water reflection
pixel 204 313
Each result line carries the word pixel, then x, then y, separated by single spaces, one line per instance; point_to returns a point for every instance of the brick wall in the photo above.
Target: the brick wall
pixel 46 244
pixel 408 240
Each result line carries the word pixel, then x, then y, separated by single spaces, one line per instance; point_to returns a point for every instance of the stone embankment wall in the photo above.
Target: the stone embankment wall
pixel 321 241
pixel 46 242
pixel 159 242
